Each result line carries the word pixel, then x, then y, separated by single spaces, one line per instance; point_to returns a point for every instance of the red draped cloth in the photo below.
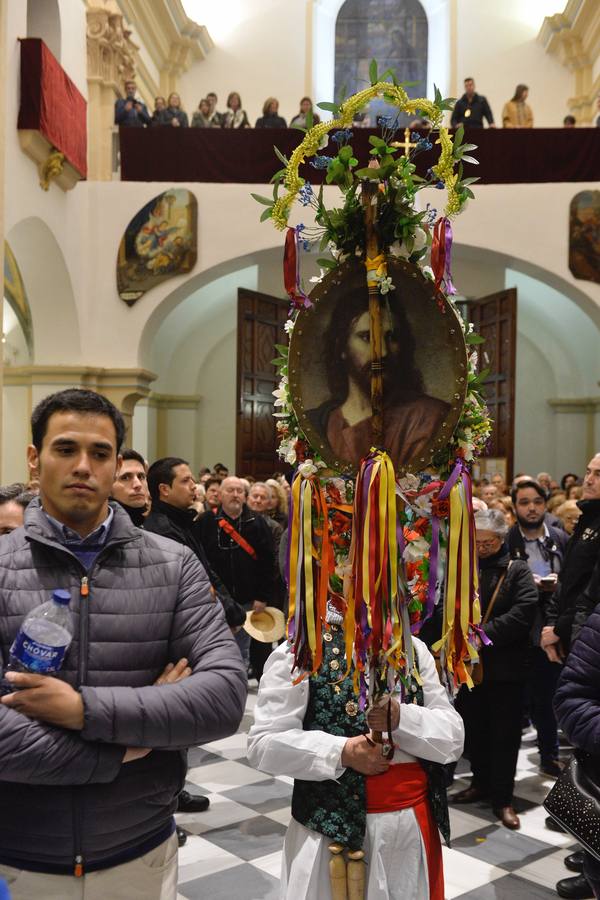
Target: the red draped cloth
pixel 404 786
pixel 51 104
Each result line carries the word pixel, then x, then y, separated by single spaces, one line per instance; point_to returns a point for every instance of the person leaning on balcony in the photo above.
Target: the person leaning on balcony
pixel 471 109
pixel 129 110
pixel 235 116
pixel 201 118
pixel 270 117
pixel 173 114
pixel 160 106
pixel 517 112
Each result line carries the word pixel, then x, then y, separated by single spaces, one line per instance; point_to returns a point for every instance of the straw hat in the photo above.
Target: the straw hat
pixel 266 625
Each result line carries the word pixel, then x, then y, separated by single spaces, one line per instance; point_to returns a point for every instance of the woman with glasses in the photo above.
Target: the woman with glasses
pixel 492 711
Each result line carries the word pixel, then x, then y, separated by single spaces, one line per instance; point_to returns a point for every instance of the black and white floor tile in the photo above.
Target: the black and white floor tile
pixel 234 849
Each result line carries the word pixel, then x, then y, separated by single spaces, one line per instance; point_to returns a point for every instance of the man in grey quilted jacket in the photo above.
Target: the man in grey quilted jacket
pixel 91 762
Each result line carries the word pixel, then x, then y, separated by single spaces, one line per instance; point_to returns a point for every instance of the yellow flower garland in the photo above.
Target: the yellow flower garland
pixel 312 140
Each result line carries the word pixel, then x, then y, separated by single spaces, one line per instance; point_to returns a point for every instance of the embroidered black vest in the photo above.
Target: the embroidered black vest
pixel 337 809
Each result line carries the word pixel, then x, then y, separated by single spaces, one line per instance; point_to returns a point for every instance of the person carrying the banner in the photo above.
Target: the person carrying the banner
pixel 349 800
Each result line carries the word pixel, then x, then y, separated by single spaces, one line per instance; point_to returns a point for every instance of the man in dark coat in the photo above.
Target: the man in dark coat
pixel 571 604
pixel 493 710
pixel 77 794
pixel 577 704
pixel 171 485
pixel 130 112
pixel 471 109
pixel 130 488
pixel 240 548
pixel 543 548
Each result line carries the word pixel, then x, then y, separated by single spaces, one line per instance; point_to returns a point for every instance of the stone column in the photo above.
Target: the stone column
pixel 111 58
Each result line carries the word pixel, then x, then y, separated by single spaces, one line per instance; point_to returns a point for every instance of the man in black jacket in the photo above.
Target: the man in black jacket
pixel 172 517
pixel 172 485
pixel 130 487
pixel 240 548
pixel 543 548
pixel 571 604
pixel 569 609
pixel 471 109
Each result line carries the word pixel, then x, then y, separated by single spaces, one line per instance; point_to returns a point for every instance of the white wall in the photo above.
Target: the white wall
pixel 260 51
pixel 496 45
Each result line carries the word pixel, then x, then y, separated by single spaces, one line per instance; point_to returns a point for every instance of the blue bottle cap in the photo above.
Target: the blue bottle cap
pixel 62 597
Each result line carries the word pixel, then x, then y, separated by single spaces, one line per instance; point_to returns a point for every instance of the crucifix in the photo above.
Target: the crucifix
pixel 406 144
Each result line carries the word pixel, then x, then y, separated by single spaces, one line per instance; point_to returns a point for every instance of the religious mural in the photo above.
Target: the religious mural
pixel 159 242
pixel 584 236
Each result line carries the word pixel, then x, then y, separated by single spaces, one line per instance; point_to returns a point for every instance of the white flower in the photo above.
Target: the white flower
pixel 307 468
pixel 281 396
pixel 289 326
pixel 324 142
pixel 415 550
pixel 428 273
pixel 385 285
pixel 317 279
pixel 398 249
pixel 424 503
pixel 419 239
pixel 409 482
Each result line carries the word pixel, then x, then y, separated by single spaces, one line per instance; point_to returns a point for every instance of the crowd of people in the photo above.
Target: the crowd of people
pixel 131 111
pixel 151 552
pixel 470 110
pixel 538 543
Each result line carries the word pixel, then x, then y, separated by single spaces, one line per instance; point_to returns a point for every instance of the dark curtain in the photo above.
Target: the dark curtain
pixel 51 104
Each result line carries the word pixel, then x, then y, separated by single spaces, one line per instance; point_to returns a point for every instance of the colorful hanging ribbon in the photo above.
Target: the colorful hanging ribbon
pixel 441 256
pixel 374 622
pixel 291 269
pixel 310 562
pixel 461 602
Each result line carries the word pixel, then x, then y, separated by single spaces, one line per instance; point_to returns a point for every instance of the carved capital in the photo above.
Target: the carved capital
pixel 111 54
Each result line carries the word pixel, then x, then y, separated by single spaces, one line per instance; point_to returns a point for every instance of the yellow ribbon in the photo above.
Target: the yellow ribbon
pixel 376 268
pixel 294 541
pixel 308 568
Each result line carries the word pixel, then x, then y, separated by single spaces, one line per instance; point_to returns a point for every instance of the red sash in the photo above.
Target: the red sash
pixel 236 536
pixel 404 786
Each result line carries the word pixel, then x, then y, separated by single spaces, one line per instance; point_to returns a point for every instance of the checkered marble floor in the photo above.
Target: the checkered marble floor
pixel 234 849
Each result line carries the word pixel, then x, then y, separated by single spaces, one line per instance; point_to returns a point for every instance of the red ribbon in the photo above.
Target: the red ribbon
pixel 441 255
pixel 291 270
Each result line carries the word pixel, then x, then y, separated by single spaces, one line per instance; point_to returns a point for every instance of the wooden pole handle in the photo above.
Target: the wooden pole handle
pixel 369 194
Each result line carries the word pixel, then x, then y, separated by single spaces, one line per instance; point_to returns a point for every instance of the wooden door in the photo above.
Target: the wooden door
pixel 495 319
pixel 260 326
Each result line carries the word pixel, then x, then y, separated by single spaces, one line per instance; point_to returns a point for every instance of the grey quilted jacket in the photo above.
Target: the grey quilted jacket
pixel 145 602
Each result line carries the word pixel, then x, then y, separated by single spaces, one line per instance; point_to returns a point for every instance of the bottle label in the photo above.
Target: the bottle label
pixel 43 659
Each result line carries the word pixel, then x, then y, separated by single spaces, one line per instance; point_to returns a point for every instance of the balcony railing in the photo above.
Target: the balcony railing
pixel 506 156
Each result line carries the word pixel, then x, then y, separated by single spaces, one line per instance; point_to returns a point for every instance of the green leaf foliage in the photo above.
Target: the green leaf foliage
pixel 329 107
pixel 326 263
pixel 267 201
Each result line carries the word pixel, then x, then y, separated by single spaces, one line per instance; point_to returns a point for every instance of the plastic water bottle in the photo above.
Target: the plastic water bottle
pixel 43 638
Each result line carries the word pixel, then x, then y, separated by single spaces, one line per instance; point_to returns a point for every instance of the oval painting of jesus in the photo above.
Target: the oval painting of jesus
pixel 423 365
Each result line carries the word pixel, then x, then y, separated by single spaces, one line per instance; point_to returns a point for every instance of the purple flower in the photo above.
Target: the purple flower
pixel 440 185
